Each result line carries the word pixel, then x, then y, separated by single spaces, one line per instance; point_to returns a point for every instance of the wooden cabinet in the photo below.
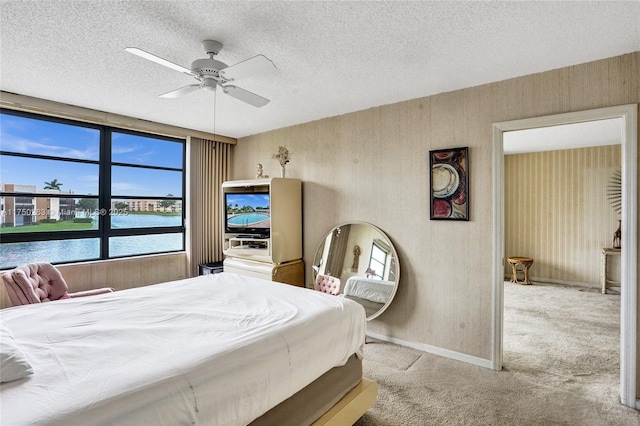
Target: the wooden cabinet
pixel 287 272
pixel 279 247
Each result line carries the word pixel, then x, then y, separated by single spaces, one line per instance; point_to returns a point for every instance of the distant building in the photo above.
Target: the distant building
pixel 34 206
pixel 148 205
pixel 29 209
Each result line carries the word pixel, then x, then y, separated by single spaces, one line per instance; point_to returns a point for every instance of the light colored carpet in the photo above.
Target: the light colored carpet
pixel 561 367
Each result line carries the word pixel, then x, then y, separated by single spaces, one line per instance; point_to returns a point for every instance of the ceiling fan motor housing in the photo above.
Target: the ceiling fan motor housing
pixel 207 68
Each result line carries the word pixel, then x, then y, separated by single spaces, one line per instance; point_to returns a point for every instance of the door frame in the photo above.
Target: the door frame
pixel 629 266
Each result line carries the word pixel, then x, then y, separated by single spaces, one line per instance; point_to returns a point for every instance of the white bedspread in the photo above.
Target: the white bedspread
pixel 219 349
pixel 366 288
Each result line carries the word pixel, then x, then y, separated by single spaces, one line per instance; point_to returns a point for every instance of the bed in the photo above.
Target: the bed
pixel 372 294
pixel 220 349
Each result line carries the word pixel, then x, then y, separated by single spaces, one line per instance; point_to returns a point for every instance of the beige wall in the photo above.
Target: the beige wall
pixel 372 166
pixel 557 212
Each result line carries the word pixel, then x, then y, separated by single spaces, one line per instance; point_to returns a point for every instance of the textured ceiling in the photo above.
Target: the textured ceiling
pixel 332 57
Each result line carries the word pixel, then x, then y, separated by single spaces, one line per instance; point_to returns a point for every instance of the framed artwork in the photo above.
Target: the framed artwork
pixel 449 184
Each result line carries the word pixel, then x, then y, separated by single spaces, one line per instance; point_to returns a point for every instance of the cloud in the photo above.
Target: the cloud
pixel 122 187
pixel 123 149
pixel 89 178
pixel 22 145
pixel 134 153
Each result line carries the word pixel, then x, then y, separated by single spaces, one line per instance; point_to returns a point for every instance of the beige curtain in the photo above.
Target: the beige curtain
pixel 337 251
pixel 209 167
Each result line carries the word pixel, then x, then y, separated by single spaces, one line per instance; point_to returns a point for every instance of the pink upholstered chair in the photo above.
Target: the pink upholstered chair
pixel 328 284
pixel 40 282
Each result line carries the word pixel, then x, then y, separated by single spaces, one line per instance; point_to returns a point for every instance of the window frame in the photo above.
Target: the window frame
pixel 104 231
pixel 375 246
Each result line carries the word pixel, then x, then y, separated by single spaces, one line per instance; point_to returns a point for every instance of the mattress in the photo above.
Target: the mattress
pixel 217 349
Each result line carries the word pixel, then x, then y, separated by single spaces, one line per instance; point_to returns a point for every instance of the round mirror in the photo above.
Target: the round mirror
pixel 364 262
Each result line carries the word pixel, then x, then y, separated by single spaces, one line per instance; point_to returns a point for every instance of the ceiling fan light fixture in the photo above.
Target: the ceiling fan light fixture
pixel 209 84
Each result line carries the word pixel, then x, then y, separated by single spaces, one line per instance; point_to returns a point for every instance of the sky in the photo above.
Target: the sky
pixel 26 135
pixel 253 200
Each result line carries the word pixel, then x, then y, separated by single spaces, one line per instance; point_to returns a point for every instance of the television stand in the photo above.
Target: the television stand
pixel 276 242
pixel 248 245
pixel 252 236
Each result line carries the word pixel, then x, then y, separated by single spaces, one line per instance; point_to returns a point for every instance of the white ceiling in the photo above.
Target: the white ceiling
pixel 566 136
pixel 332 57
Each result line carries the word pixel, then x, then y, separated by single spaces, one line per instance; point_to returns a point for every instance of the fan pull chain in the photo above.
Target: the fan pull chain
pixel 215 98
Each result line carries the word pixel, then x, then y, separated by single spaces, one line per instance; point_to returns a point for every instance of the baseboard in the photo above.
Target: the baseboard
pixel 458 356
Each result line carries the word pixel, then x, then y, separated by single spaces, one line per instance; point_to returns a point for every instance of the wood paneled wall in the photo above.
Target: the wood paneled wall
pixel 372 166
pixel 557 212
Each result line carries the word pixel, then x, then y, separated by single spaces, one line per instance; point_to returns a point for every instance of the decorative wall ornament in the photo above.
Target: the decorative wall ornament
pixel 356 258
pixel 614 191
pixel 449 184
pixel 283 158
pixel 614 195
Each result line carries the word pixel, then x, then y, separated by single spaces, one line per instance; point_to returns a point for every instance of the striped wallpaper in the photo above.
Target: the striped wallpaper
pixel 372 166
pixel 557 212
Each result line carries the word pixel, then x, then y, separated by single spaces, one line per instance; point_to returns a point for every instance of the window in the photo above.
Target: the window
pixel 378 261
pixel 73 191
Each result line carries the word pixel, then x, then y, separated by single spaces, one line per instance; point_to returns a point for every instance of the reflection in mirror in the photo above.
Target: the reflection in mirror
pixel 364 261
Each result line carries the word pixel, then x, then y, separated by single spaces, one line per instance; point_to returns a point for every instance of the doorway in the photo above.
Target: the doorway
pixel 628 335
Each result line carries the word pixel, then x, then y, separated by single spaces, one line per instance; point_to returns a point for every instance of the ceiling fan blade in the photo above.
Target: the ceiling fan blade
pixel 253 66
pixel 181 91
pixel 245 96
pixel 158 60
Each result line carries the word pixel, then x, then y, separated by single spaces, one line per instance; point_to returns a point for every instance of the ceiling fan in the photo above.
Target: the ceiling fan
pixel 212 73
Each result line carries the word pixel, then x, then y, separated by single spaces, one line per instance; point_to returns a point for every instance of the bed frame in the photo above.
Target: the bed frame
pixel 339 397
pixel 352 406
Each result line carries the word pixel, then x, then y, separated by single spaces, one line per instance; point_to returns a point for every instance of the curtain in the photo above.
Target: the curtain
pixel 337 251
pixel 209 168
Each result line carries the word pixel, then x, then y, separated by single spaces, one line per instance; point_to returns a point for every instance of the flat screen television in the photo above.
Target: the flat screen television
pixel 248 213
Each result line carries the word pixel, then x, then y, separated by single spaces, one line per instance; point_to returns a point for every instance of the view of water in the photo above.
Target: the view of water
pixel 89 248
pixel 144 221
pixel 245 219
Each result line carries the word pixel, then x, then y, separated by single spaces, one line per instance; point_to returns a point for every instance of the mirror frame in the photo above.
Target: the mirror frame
pixel 392 251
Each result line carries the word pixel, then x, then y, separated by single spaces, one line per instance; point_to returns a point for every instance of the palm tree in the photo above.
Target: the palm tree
pixel 54 184
pixel 167 203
